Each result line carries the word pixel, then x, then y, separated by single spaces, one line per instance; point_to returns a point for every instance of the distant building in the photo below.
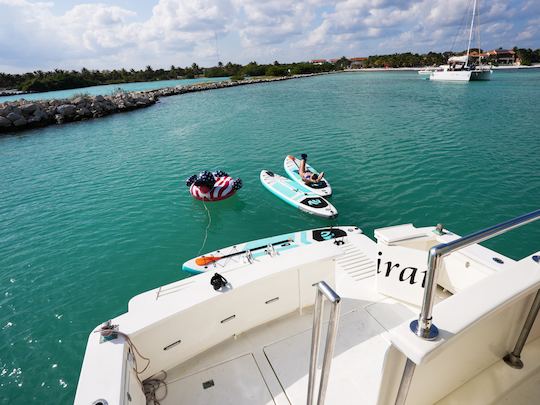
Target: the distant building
pixel 357 63
pixel 474 56
pixel 497 56
pixel 502 56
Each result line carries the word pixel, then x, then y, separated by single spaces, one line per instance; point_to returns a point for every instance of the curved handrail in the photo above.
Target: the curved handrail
pixel 424 326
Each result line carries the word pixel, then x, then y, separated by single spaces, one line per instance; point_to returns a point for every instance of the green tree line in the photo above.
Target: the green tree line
pixel 408 59
pixel 68 79
pixel 527 56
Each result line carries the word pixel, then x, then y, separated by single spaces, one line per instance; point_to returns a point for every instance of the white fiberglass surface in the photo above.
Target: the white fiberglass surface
pixel 234 382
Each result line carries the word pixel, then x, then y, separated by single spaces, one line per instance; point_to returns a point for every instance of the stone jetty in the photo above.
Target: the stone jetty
pixel 23 114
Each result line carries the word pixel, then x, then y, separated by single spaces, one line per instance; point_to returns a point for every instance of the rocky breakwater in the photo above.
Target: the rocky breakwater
pixel 23 114
pixel 173 91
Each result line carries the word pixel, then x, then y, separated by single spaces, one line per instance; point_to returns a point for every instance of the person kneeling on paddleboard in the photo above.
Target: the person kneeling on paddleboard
pixel 307 176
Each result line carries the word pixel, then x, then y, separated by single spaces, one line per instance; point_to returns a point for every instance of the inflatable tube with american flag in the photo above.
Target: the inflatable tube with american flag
pixel 223 188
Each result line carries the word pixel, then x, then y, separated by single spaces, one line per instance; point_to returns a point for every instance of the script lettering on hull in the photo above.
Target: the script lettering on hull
pixel 401 273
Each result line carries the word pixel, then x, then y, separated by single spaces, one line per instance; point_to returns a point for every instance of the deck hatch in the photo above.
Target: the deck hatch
pixel 221 384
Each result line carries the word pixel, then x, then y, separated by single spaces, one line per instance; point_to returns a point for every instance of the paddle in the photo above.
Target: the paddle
pixel 294 161
pixel 205 260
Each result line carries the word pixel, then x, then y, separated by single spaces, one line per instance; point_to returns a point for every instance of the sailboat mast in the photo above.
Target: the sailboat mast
pixel 470 33
pixel 478 35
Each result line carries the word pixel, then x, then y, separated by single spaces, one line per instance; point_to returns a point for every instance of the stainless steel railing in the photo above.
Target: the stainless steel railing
pixel 323 291
pixel 513 359
pixel 424 326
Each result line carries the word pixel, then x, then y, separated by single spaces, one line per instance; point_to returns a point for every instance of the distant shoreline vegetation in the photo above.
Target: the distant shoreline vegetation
pixel 58 79
pixel 408 59
pixel 39 81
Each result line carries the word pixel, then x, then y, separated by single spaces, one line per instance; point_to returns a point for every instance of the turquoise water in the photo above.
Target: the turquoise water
pixel 109 89
pixel 96 212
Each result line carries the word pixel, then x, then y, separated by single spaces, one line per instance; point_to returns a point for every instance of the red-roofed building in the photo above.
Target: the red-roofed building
pixel 475 54
pixel 502 56
pixel 357 63
pixel 318 61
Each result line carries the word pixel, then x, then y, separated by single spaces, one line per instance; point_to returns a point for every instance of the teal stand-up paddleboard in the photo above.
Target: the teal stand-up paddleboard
pixel 292 167
pixel 297 195
pixel 262 250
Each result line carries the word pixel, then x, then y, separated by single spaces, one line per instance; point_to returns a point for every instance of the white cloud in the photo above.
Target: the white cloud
pixel 90 33
pixel 274 21
pixel 530 32
pixel 385 26
pixel 97 27
pixel 180 32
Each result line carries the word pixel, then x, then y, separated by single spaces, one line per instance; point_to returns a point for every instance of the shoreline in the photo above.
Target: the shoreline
pixel 10 92
pixel 15 92
pixel 21 115
pixel 415 69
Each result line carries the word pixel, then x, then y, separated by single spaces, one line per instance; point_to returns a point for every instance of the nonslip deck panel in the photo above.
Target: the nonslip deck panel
pixel 359 342
pixel 235 382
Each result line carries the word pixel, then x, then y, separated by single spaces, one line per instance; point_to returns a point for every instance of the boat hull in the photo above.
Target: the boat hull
pixel 461 75
pixel 451 76
pixel 481 74
pixel 424 74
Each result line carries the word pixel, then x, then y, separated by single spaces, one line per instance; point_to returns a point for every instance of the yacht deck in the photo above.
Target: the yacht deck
pixel 269 364
pixel 249 341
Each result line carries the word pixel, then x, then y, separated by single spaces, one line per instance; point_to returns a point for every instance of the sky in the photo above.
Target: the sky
pixel 110 34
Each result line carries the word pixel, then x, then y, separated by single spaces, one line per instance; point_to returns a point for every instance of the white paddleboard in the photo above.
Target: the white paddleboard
pixel 321 188
pixel 297 195
pixel 256 251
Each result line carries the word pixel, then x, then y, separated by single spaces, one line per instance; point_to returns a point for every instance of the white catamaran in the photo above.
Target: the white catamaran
pixel 459 68
pixel 251 334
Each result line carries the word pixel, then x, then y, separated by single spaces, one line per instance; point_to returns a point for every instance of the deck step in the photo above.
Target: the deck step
pixel 355 262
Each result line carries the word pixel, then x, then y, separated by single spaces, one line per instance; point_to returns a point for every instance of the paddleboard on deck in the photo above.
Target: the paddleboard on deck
pixel 321 188
pixel 244 254
pixel 297 195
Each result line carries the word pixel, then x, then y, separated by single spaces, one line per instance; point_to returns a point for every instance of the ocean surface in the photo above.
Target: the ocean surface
pixel 108 89
pixel 95 212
